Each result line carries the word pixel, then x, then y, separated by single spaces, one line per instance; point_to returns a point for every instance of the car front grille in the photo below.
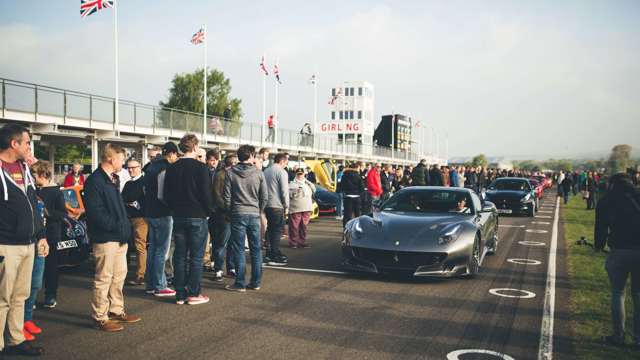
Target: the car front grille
pixel 398 259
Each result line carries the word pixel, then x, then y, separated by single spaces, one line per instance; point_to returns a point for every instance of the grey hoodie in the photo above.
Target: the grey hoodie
pixel 245 190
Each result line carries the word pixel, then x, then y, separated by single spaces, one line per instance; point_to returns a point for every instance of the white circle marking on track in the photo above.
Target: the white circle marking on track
pixel 527 294
pixel 536 231
pixel 531 243
pixel 524 261
pixel 455 355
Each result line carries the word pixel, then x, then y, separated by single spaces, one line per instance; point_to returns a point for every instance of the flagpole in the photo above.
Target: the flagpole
pixel 116 107
pixel 275 115
pixel 264 101
pixel 204 117
pixel 315 109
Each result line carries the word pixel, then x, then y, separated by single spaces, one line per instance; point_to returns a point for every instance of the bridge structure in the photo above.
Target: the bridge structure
pixel 60 116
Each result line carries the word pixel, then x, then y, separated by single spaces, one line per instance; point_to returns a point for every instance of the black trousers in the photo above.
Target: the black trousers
pixel 275 226
pixel 351 208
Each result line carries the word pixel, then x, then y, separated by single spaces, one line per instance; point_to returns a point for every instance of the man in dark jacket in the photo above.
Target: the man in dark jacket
pixel 20 229
pixel 188 192
pixel 110 231
pixel 158 216
pixel 133 196
pixel 351 186
pixel 618 225
pixel 420 174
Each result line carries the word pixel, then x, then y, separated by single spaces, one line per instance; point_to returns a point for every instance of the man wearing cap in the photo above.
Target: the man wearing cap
pixel 160 222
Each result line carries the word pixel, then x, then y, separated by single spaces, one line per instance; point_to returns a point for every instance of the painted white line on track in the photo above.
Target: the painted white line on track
pixel 305 270
pixel 536 231
pixel 526 294
pixel 524 261
pixel 455 355
pixel 541 222
pixel 531 243
pixel 511 226
pixel 545 349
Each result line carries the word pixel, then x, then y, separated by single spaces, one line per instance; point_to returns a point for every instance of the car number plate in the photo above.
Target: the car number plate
pixel 505 211
pixel 66 244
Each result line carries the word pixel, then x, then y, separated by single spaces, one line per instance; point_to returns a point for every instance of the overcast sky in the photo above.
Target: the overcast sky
pixel 516 78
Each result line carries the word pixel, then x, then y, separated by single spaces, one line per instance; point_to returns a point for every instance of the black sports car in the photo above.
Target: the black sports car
pixel 424 231
pixel 513 195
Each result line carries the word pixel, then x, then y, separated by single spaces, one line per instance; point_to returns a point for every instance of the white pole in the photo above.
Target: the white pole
pixel 264 100
pixel 275 115
pixel 204 115
pixel 116 108
pixel 315 108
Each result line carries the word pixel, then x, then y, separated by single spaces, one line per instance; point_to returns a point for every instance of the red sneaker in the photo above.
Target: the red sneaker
pixel 31 327
pixel 27 335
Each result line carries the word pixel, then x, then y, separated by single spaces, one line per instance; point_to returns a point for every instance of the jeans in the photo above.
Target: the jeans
pixel 220 239
pixel 619 265
pixel 159 239
pixel 339 205
pixel 246 225
pixel 36 284
pixel 275 226
pixel 190 235
pixel 351 209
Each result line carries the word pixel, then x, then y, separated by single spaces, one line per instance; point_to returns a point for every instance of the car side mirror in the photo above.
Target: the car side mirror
pixel 488 206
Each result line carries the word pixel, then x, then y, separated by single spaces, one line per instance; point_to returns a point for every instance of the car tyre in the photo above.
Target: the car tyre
pixel 473 266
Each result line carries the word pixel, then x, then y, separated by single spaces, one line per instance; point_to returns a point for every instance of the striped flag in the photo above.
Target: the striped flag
pixel 263 66
pixel 198 38
pixel 276 72
pixel 89 7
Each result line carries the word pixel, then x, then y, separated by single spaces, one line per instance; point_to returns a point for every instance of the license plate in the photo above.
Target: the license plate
pixel 68 244
pixel 505 211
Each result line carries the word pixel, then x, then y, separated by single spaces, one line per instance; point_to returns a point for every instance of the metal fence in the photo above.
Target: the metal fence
pixel 24 97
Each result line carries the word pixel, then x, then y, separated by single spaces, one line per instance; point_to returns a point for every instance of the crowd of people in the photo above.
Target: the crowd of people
pixel 185 212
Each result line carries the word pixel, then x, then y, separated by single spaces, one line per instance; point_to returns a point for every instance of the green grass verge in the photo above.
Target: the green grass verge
pixel 590 298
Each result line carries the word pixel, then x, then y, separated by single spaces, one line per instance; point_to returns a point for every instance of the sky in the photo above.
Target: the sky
pixel 522 79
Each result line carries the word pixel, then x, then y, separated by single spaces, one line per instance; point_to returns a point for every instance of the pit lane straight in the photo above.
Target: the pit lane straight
pixel 320 312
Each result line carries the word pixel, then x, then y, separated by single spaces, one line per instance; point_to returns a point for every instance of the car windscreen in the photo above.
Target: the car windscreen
pixel 513 185
pixel 430 201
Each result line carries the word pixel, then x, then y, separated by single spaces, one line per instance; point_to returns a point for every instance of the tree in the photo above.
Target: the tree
pixel 479 160
pixel 620 158
pixel 186 94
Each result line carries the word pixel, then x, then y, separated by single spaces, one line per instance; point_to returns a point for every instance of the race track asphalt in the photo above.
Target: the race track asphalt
pixel 305 315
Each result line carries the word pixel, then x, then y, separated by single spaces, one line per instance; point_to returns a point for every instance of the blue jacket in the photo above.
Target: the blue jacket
pixel 107 219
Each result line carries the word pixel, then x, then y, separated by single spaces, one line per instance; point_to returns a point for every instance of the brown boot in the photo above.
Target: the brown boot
pixel 124 318
pixel 109 326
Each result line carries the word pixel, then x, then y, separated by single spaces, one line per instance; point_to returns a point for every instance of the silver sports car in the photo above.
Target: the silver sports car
pixel 425 231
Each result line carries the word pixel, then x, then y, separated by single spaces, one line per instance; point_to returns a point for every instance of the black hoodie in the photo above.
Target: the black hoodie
pixel 20 223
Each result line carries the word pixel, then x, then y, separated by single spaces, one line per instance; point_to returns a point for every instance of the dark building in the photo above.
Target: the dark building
pixel 401 130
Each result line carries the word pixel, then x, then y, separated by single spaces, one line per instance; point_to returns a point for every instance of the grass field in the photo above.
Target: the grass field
pixel 590 299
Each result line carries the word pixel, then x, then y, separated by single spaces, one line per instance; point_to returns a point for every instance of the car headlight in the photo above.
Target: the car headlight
pixel 526 198
pixel 450 235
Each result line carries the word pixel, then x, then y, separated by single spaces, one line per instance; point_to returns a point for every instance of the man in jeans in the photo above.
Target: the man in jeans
pixel 245 197
pixel 160 221
pixel 187 189
pixel 20 228
pixel 618 225
pixel 221 226
pixel 110 231
pixel 277 181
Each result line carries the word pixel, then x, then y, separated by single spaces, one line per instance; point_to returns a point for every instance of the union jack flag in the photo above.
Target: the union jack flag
pixel 276 72
pixel 198 38
pixel 335 97
pixel 263 66
pixel 89 7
